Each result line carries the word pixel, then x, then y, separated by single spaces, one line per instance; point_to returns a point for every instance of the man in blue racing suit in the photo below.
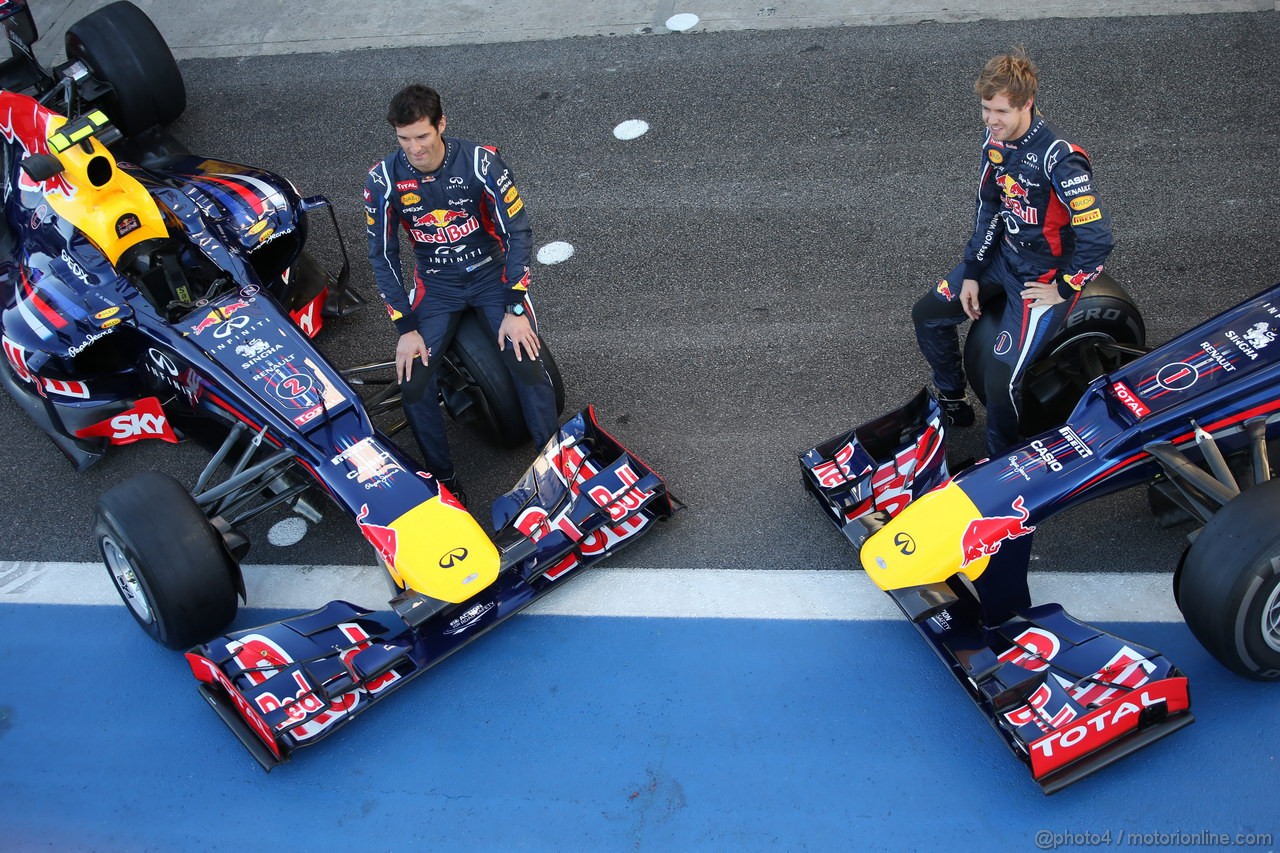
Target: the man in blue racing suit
pixel 472 242
pixel 1040 235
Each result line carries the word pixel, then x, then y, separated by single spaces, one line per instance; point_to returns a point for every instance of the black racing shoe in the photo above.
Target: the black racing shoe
pixel 455 488
pixel 957 412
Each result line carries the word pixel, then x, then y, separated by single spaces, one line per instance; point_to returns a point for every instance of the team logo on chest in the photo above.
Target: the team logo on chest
pixel 1017 198
pixel 443 226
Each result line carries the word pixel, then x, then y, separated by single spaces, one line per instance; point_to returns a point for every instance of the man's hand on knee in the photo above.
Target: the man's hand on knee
pixel 409 347
pixel 520 332
pixel 1042 294
pixel 969 299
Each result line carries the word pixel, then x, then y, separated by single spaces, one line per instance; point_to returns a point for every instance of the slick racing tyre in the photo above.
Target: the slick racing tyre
pixel 165 560
pixel 1103 332
pixel 489 388
pixel 123 48
pixel 1229 584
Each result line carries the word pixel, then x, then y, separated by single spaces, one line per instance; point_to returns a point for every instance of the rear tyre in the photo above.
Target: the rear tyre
pixel 165 560
pixel 1228 584
pixel 490 386
pixel 1103 315
pixel 122 47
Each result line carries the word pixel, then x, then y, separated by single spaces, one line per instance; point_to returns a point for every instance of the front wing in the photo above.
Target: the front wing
pixel 1066 698
pixel 291 683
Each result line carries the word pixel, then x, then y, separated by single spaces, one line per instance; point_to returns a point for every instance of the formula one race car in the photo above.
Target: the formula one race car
pixel 172 298
pixel 1192 418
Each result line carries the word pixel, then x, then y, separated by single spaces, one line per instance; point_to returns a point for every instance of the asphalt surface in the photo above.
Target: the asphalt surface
pixel 744 272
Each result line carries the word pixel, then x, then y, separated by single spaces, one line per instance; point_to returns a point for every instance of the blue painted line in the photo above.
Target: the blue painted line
pixel 573 733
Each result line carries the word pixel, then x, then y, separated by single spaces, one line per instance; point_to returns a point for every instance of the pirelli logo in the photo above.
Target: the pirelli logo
pixel 1081 218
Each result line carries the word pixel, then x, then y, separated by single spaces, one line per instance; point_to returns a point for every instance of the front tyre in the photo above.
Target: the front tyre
pixel 1229 584
pixel 166 560
pixel 123 48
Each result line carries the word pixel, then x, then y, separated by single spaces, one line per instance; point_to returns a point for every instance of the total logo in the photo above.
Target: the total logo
pixel 1130 400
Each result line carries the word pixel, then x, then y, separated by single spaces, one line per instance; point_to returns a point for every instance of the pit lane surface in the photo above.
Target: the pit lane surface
pixel 744 271
pixel 740 291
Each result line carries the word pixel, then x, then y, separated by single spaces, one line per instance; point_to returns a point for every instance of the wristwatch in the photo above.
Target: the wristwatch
pixel 517 309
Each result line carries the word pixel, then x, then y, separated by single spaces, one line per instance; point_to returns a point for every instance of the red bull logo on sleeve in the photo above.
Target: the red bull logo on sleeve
pixel 944 290
pixel 443 226
pixel 1080 279
pixel 984 536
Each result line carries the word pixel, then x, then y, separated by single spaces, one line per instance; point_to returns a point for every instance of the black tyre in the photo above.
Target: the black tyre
pixel 489 384
pixel 1228 585
pixel 122 47
pixel 1103 332
pixel 165 560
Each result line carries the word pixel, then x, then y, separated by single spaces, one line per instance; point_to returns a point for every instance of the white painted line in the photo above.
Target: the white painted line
pixel 844 595
pixel 631 129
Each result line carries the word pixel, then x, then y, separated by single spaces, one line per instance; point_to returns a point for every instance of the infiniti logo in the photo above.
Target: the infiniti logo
pixel 235 324
pixel 451 559
pixel 905 543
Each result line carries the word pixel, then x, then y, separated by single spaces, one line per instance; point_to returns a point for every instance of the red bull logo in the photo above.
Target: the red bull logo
pixel 217 315
pixel 439 218
pixel 1081 278
pixel 1010 187
pixel 383 539
pixel 443 226
pixel 944 290
pixel 984 536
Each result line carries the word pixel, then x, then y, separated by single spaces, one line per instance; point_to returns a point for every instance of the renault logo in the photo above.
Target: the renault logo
pixel 451 559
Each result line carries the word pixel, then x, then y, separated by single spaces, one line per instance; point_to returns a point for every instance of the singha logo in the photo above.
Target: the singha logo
pixel 254 348
pixel 1259 335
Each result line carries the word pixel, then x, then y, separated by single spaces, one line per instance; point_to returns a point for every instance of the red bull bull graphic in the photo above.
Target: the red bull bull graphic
pixel 217 315
pixel 984 536
pixel 29 124
pixel 1011 188
pixel 383 539
pixel 1080 279
pixel 443 226
pixel 944 290
pixel 1015 198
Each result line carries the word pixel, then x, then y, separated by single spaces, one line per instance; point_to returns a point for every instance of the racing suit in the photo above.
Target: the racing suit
pixel 1038 219
pixel 472 245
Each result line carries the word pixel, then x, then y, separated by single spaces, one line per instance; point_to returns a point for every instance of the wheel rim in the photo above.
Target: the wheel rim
pixel 126 580
pixel 1271 619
